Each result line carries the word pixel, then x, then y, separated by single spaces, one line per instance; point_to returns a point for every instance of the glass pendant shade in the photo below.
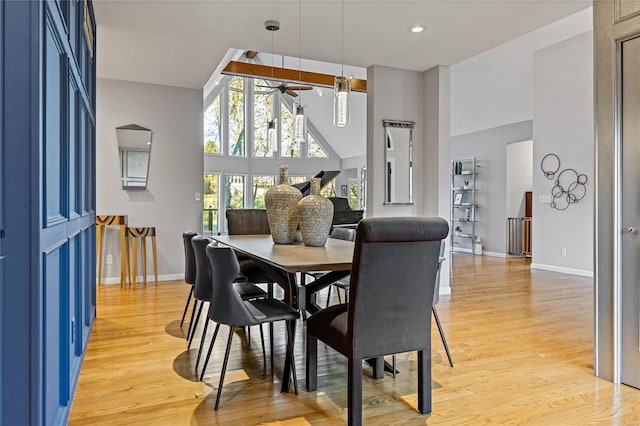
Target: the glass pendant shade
pixel 272 135
pixel 341 95
pixel 300 122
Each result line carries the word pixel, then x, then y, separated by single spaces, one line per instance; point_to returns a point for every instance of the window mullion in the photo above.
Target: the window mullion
pixel 249 118
pixel 224 113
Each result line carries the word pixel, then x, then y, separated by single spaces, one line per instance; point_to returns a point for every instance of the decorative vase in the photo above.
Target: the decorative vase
pixel 316 215
pixel 281 203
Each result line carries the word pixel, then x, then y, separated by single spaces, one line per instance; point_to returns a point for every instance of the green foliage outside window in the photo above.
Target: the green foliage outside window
pixel 260 186
pixel 213 128
pixel 234 191
pixel 329 190
pixel 288 147
pixel 314 150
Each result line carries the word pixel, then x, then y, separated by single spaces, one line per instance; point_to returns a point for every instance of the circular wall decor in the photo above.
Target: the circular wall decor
pixel 570 186
pixel 550 164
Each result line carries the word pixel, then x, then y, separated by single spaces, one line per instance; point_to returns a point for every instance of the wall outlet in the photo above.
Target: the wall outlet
pixel 546 199
pixel 109 259
pixel 563 251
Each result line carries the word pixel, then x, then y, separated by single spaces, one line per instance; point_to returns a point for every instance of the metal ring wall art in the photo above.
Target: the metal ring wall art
pixel 570 186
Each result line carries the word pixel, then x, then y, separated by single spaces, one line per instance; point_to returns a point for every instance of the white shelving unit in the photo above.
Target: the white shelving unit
pixel 463 204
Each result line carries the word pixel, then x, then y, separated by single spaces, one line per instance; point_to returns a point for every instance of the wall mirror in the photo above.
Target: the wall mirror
pixel 398 162
pixel 134 144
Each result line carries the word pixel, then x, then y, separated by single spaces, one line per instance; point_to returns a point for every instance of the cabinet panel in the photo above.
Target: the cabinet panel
pixel 627 8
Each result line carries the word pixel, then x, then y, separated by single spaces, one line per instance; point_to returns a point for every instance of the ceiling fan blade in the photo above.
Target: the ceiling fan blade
pixel 300 88
pixel 291 93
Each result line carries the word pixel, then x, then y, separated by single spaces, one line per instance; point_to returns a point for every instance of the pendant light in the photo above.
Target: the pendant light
pixel 341 89
pixel 300 110
pixel 272 125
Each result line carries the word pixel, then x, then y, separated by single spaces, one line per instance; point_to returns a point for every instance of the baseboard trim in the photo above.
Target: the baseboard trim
pixel 150 278
pixel 494 254
pixel 562 270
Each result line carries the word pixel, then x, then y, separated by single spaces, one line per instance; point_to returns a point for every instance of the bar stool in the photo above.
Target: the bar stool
pixel 113 220
pixel 142 233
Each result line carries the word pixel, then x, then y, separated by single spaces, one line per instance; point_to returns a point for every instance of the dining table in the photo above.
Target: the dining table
pixel 282 262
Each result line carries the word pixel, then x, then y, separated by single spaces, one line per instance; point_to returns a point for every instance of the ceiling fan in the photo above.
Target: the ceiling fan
pixel 288 89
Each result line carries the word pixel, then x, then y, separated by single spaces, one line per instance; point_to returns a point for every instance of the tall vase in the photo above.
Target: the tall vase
pixel 282 209
pixel 316 215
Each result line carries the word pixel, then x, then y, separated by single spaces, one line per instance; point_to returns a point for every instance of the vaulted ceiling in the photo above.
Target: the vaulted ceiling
pixel 181 42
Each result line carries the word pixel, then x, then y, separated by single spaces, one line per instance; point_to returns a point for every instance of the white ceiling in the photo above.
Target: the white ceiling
pixel 181 42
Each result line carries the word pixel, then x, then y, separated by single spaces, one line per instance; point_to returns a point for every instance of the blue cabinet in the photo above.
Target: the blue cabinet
pixel 47 205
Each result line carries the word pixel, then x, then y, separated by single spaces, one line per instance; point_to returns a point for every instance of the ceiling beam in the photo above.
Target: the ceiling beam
pixel 245 69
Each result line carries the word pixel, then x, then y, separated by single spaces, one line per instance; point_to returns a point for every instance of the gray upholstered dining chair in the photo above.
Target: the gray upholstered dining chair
pixel 383 319
pixel 202 289
pixel 227 307
pixel 189 275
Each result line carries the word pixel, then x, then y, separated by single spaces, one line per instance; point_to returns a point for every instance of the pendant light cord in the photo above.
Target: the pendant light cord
pixel 342 39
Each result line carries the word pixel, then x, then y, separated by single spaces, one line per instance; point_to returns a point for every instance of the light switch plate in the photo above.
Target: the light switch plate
pixel 197 196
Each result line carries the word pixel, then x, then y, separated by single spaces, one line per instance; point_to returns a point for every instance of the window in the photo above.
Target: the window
pixel 234 191
pixel 262 113
pixel 297 179
pixel 354 188
pixel 288 147
pixel 235 124
pixel 260 185
pixel 213 128
pixel 329 190
pixel 210 203
pixel 315 150
pixel 236 117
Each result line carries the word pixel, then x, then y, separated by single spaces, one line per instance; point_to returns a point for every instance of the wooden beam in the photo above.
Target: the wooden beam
pixel 244 69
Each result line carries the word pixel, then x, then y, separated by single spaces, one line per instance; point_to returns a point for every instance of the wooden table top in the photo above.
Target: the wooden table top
pixel 336 255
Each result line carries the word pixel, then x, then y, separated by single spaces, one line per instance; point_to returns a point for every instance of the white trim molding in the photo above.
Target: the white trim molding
pixel 150 279
pixel 560 269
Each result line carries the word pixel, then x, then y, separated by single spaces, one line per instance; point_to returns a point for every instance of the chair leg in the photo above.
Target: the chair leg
pixel 271 345
pixel 204 334
pixel 312 363
pixel 339 298
pixel 444 341
pixel 186 307
pixel 193 315
pixel 264 352
pixel 290 344
pixel 393 366
pixel 354 405
pixel 195 324
pixel 206 360
pixel 424 381
pixel 224 367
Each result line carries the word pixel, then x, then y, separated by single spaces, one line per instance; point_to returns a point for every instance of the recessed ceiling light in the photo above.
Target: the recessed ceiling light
pixel 416 29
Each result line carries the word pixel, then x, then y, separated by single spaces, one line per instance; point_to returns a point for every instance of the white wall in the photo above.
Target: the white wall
pixel 495 88
pixel 519 176
pixel 563 125
pixel 175 171
pixel 489 146
pixel 423 98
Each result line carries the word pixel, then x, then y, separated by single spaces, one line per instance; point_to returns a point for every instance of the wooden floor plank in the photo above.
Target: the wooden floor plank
pixel 521 341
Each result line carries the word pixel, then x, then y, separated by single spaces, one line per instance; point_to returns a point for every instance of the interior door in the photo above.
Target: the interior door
pixel 630 220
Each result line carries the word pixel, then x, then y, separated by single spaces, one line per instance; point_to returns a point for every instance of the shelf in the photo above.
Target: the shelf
pixel 460 206
pixel 464 236
pixel 459 188
pixel 464 220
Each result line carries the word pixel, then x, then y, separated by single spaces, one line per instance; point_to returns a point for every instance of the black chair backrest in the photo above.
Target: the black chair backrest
pixel 247 222
pixel 346 234
pixel 226 305
pixel 189 260
pixel 395 262
pixel 202 288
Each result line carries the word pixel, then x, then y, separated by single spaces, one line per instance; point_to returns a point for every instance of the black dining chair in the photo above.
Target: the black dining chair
pixel 189 275
pixel 347 234
pixel 227 307
pixel 394 268
pixel 202 290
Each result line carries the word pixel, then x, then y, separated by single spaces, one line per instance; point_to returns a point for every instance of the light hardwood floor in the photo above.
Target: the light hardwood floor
pixel 521 340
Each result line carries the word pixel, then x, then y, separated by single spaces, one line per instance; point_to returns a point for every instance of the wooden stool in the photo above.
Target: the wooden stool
pixel 113 220
pixel 143 233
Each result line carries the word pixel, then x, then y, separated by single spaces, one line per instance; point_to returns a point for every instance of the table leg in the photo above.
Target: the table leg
pixel 134 254
pixel 286 374
pixel 155 257
pixel 99 234
pixel 124 256
pixel 144 260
